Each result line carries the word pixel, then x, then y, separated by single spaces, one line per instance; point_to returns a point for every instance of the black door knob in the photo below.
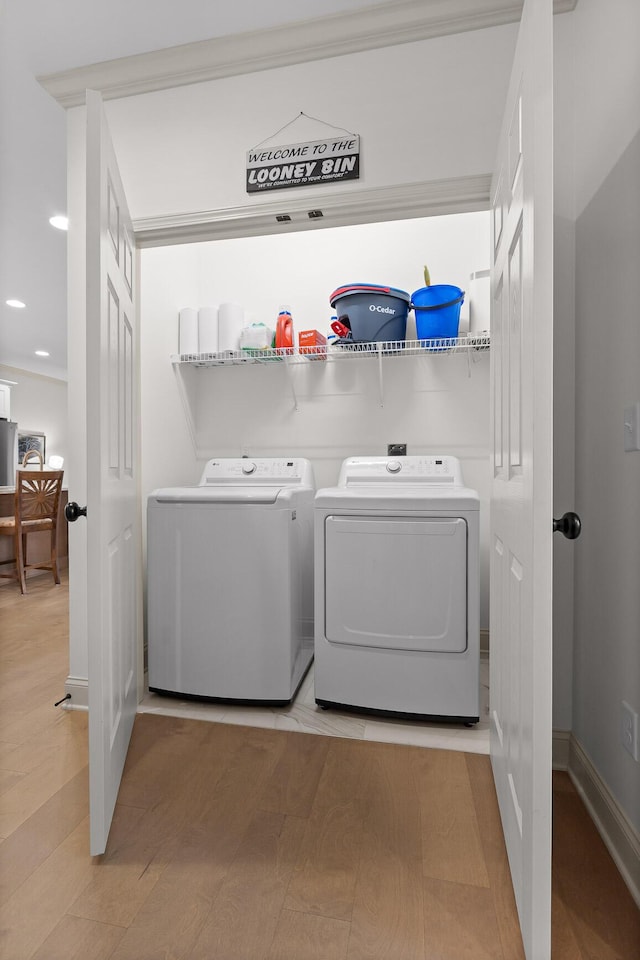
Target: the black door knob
pixel 72 511
pixel 569 525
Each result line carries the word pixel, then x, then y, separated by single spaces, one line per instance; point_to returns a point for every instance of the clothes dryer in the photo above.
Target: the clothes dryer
pixel 397 612
pixel 230 582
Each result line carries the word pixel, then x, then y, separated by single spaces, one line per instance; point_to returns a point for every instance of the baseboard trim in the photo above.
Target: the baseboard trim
pixel 78 688
pixel 619 835
pixel 560 749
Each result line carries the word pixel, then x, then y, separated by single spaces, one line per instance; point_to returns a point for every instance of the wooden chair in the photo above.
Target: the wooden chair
pixel 36 504
pixel 33 455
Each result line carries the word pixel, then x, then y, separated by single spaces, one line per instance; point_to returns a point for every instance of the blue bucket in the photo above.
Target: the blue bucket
pixel 437 310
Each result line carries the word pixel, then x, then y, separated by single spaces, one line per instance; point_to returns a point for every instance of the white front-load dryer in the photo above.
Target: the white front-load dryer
pixel 230 582
pixel 397 609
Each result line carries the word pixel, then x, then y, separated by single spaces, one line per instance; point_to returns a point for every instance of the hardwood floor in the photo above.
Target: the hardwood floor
pixel 243 842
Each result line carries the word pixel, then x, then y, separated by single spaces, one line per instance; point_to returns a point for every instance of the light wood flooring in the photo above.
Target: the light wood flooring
pixel 231 841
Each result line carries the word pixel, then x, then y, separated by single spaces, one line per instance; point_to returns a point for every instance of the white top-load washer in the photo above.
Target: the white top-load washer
pixel 397 612
pixel 230 582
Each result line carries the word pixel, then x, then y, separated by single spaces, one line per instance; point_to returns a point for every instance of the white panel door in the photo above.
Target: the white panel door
pixel 521 499
pixel 113 515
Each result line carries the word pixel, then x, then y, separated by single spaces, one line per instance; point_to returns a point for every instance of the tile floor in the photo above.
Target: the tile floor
pixel 303 715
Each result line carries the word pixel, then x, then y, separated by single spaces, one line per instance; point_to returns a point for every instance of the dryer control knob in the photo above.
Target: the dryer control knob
pixel 248 467
pixel 394 466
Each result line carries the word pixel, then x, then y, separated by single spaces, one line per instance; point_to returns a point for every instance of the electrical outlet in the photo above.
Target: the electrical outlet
pixel 629 730
pixel 396 449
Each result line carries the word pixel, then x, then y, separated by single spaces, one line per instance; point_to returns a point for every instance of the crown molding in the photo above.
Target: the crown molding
pixel 380 25
pixel 339 208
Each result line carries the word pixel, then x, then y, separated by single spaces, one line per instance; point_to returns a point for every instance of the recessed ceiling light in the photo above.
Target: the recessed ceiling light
pixel 42 353
pixel 15 303
pixel 61 223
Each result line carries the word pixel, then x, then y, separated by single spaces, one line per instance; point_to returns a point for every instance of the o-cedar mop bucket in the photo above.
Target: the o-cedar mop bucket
pixel 437 310
pixel 372 312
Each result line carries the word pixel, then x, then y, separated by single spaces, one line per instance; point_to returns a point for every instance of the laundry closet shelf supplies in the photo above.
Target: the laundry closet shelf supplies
pixel 344 350
pixel 472 345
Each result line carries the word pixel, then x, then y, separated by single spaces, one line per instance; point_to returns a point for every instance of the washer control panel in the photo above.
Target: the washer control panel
pixel 415 469
pixel 237 470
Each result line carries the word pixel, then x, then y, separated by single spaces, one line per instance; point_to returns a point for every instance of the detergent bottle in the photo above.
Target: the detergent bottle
pixel 284 331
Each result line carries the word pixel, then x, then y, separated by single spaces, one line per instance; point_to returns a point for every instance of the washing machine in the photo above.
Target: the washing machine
pixel 230 582
pixel 397 611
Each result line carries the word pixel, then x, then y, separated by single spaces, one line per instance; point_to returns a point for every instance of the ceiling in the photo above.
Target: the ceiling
pixel 40 37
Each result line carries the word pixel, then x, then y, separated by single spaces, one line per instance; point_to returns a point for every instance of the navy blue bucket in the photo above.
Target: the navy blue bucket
pixel 373 313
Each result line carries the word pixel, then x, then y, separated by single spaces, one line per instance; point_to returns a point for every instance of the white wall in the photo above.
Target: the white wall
pixel 32 189
pixel 39 404
pixel 434 404
pixel 424 111
pixel 607 252
pixel 607 613
pixel 607 85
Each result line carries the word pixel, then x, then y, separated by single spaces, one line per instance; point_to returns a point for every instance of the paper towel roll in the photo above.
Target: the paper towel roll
pixel 208 330
pixel 188 331
pixel 230 323
pixel 479 301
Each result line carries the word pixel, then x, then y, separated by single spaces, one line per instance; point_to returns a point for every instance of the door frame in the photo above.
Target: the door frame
pixel 468 194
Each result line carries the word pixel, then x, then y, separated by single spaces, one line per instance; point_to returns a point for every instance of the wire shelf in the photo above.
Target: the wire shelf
pixel 340 350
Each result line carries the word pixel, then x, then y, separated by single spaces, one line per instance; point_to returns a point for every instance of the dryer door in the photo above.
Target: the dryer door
pixel 398 584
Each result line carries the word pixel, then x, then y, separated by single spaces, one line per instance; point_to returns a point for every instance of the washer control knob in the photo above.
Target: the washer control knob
pixel 394 466
pixel 248 468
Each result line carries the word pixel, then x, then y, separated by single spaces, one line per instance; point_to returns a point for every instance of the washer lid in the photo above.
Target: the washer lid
pixel 219 494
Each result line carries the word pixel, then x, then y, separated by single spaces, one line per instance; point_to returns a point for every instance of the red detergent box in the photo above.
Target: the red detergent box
pixel 313 343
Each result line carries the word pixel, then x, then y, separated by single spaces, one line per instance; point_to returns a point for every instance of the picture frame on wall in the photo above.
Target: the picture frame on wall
pixel 33 440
